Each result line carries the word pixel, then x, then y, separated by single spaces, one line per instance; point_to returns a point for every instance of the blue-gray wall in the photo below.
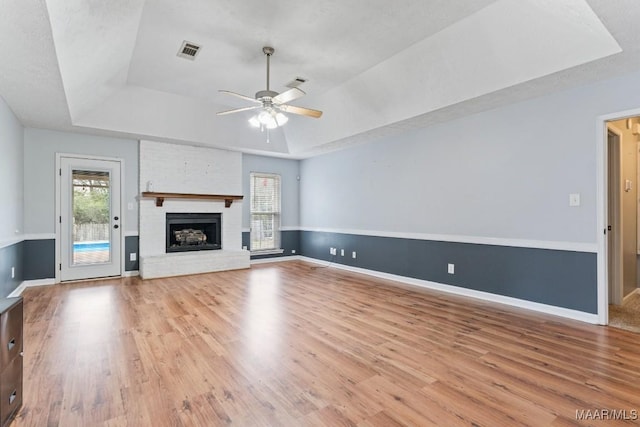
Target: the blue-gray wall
pixel 11 197
pixel 559 278
pixel 11 256
pixel 500 175
pixel 503 173
pixel 39 259
pixel 40 148
pixel 131 246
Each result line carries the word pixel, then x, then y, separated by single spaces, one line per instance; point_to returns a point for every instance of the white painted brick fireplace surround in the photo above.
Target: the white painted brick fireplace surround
pixel 171 168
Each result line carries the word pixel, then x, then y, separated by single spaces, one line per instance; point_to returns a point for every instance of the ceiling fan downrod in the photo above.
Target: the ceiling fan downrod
pixel 268 50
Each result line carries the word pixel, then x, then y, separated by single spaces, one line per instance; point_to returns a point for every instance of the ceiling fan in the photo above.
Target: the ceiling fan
pixel 271 104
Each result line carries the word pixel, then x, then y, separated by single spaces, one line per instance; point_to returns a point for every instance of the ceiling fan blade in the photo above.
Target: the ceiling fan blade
pixel 289 95
pixel 237 110
pixel 246 98
pixel 301 110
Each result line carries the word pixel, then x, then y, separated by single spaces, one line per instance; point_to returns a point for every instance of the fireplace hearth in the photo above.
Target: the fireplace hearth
pixel 193 232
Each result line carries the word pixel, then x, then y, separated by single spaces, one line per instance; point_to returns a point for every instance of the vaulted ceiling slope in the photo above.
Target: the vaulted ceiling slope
pixel 374 67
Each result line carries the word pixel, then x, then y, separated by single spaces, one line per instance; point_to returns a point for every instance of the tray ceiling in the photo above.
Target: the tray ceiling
pixel 374 67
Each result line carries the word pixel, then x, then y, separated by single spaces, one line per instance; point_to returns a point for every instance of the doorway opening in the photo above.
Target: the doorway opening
pixel 622 209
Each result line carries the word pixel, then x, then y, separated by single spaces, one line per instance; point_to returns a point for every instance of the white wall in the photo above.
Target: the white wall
pixel 40 148
pixel 11 175
pixel 289 171
pixel 503 173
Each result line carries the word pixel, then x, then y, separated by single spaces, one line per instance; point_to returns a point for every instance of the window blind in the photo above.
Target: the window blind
pixel 265 211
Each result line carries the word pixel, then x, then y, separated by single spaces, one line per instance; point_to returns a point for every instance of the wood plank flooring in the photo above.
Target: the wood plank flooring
pixel 285 344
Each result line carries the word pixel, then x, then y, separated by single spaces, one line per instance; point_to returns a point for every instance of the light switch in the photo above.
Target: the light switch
pixel 574 199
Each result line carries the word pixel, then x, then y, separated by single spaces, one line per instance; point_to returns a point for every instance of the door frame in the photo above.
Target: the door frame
pixel 602 200
pixel 616 222
pixel 58 213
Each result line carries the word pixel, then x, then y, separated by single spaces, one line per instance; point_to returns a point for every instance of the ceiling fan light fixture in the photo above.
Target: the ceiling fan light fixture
pixel 254 122
pixel 266 118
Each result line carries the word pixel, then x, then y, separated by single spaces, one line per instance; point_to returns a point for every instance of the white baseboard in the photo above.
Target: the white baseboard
pixel 30 283
pixel 47 282
pixel 277 259
pixel 456 290
pixel 17 291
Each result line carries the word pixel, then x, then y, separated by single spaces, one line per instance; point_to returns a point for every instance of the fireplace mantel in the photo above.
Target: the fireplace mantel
pixel 228 199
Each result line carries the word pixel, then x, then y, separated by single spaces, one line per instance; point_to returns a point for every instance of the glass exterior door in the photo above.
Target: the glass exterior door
pixel 90 219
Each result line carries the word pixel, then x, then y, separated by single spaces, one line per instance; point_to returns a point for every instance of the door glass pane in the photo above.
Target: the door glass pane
pixel 91 213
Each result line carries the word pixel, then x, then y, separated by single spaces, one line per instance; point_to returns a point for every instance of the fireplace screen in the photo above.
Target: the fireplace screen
pixel 193 232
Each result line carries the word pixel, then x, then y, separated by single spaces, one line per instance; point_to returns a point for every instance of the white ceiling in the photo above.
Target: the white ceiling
pixel 374 67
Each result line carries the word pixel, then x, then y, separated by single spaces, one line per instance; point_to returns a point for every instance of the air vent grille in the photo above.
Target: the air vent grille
pixel 188 50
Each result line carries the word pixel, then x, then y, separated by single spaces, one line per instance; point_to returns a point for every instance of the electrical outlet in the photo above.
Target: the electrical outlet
pixel 574 199
pixel 341 252
pixel 451 268
pixel 133 256
pixel 13 272
pixel 244 248
pixel 353 254
pixel 293 251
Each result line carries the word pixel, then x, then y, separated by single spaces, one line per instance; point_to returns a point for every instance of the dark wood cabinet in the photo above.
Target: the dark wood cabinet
pixel 10 358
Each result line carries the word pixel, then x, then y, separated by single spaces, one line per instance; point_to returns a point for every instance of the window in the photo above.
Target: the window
pixel 265 212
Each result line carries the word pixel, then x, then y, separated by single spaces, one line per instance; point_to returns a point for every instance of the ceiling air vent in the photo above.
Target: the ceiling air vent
pixel 188 50
pixel 296 82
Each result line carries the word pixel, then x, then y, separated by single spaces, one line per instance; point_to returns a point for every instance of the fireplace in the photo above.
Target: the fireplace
pixel 193 232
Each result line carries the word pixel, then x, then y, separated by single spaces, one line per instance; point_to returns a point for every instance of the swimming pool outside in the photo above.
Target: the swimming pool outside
pixel 98 245
pixel 91 252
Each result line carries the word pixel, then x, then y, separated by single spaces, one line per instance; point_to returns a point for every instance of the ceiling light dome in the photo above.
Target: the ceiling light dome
pixel 268 118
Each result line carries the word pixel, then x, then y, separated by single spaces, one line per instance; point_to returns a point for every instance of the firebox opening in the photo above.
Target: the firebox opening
pixel 193 232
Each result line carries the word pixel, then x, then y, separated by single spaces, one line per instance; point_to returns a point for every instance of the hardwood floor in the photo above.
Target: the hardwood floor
pixel 284 344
